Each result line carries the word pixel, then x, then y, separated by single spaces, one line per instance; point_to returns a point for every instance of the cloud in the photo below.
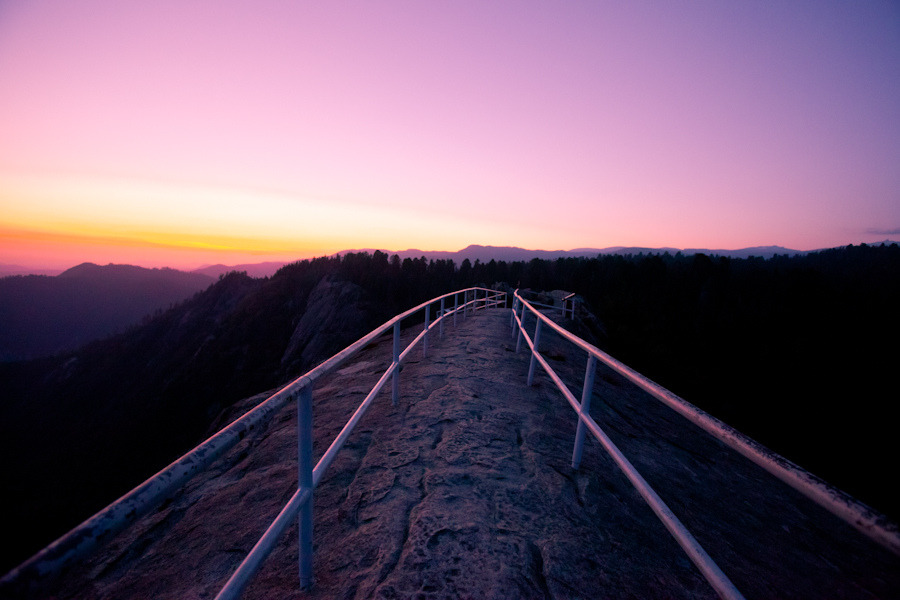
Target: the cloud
pixel 874 231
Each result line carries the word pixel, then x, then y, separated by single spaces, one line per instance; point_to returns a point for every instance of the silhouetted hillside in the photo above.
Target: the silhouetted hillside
pixel 97 421
pixel 43 315
pixel 798 352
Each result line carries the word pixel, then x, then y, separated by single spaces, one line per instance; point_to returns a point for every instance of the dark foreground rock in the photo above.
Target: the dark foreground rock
pixel 465 490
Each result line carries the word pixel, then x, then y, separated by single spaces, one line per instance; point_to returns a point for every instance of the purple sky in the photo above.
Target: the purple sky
pixel 180 132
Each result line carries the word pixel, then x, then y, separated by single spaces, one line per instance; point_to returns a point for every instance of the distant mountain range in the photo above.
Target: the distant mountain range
pixel 263 269
pixel 473 252
pixel 505 253
pixel 515 254
pixel 8 270
pixel 42 315
pixel 512 254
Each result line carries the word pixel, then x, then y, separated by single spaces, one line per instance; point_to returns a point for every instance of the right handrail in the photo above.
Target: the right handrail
pixel 710 570
pixel 832 499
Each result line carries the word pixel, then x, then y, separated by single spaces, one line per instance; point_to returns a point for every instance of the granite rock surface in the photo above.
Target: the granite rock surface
pixel 465 489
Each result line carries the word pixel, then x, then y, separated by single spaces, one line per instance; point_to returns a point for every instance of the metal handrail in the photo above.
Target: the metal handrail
pixel 567 308
pixel 842 505
pixel 301 502
pixel 77 543
pixel 710 570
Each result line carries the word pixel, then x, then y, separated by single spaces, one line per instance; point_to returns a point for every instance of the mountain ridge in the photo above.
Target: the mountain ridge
pixel 483 253
pixel 515 253
pixel 486 253
pixel 262 269
pixel 43 315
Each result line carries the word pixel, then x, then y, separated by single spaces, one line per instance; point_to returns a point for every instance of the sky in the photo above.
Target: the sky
pixel 173 133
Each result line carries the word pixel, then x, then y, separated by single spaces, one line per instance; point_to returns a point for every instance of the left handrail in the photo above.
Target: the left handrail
pixel 117 516
pixel 301 502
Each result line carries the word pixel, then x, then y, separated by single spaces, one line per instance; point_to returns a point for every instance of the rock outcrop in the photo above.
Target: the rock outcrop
pixel 330 322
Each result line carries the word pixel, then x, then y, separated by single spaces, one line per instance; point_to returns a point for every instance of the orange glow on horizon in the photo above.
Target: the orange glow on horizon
pixel 60 250
pixel 65 220
pixel 440 126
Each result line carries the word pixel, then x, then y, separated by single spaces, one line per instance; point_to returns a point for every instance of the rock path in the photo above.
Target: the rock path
pixel 465 490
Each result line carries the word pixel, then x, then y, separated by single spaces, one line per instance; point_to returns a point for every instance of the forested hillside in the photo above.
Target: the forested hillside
pixel 797 352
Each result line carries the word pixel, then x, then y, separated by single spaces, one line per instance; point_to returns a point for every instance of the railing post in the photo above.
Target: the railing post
pixel 512 317
pixel 585 409
pixel 537 340
pixel 521 329
pixel 425 337
pixel 395 383
pixel 305 480
pixel 455 307
pixel 441 335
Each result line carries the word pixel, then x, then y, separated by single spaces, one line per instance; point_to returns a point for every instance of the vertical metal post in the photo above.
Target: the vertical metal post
pixel 395 383
pixel 305 480
pixel 442 320
pixel 521 329
pixel 455 307
pixel 425 337
pixel 585 409
pixel 512 317
pixel 465 304
pixel 537 340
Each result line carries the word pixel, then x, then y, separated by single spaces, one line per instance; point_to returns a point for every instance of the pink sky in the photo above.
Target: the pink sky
pixel 181 133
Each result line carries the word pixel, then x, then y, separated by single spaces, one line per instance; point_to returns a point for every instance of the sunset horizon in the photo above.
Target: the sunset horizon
pixel 187 259
pixel 181 135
